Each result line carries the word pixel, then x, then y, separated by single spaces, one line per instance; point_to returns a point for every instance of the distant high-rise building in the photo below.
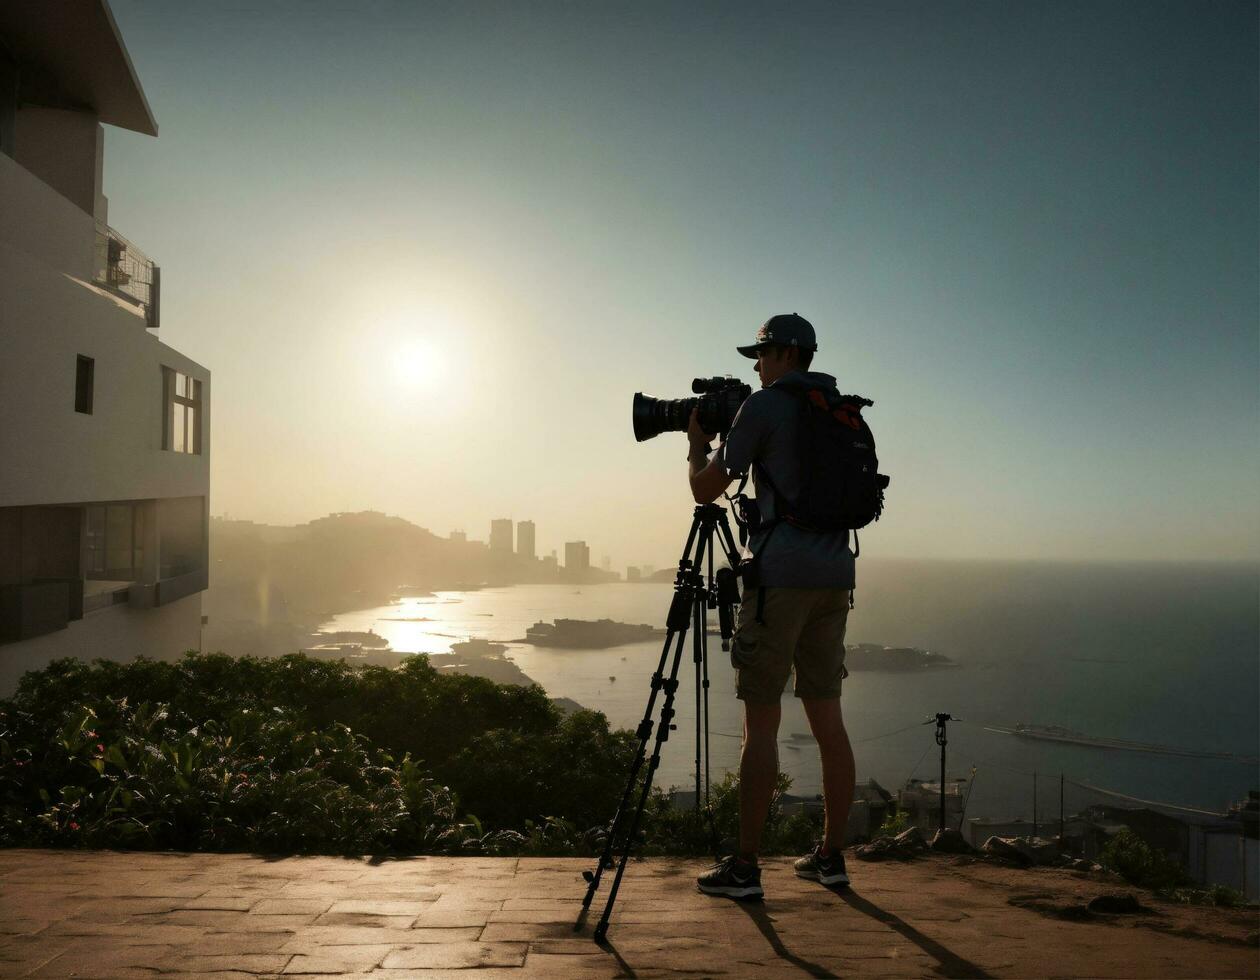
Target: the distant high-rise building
pixel 460 536
pixel 632 574
pixel 577 556
pixel 525 539
pixel 501 534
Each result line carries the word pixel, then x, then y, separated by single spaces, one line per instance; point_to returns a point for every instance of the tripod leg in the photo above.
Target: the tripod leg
pixel 643 733
pixel 704 683
pixel 704 659
pixel 662 735
pixel 698 625
pixel 676 622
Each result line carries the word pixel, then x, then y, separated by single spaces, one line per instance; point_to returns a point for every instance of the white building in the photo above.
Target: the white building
pixel 104 430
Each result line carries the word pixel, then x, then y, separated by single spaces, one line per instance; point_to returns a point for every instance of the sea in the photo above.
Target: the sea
pixel 1157 653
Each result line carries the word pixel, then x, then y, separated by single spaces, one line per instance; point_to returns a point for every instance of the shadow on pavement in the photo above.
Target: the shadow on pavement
pixel 951 964
pixel 623 968
pixel 761 919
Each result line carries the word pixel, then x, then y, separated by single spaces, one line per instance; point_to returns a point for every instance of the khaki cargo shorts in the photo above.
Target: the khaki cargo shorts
pixel 801 629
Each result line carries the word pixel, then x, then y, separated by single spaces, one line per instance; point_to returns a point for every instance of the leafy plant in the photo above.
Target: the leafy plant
pixel 1138 863
pixel 294 755
pixel 895 822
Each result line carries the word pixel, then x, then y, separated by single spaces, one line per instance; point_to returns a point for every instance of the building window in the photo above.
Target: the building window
pixel 181 532
pixel 113 542
pixel 181 428
pixel 84 372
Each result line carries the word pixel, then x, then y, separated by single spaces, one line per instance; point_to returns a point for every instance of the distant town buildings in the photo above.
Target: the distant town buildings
pixel 459 536
pixel 106 430
pixel 920 800
pixel 577 556
pixel 501 535
pixel 525 540
pixel 632 574
pixel 1214 849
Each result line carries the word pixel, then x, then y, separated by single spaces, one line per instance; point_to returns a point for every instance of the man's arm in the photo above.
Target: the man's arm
pixel 708 479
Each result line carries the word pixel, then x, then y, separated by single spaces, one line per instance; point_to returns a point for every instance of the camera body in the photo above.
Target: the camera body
pixel 719 399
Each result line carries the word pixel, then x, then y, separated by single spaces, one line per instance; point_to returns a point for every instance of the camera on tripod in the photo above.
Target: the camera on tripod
pixel 719 400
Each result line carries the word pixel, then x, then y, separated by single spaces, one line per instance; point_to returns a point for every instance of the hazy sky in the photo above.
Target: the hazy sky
pixel 430 250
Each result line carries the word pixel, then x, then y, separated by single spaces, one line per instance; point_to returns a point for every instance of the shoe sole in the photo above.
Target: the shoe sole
pixel 733 891
pixel 835 879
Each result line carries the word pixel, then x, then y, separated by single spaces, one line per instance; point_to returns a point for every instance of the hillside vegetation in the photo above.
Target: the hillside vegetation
pixel 296 755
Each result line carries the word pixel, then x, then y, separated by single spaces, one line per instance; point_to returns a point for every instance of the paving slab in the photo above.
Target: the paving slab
pixel 109 914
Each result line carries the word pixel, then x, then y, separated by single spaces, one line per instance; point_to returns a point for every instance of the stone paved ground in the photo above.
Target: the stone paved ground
pixel 109 914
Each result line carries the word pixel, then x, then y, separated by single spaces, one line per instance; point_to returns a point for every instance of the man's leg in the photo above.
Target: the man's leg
pixel 758 773
pixel 839 772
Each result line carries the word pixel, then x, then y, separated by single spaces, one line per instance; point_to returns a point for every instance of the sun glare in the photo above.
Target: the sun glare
pixel 417 363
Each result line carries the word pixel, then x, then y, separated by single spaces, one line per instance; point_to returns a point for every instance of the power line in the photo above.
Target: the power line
pixel 919 763
pixel 872 738
pixel 1134 799
pixel 796 763
pixel 857 741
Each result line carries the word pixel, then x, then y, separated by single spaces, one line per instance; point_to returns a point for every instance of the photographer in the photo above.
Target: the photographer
pixel 795 604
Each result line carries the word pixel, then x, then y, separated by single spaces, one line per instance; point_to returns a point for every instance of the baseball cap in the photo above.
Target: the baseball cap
pixel 790 329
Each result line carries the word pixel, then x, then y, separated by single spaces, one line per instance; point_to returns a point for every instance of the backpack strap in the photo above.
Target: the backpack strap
pixel 750 571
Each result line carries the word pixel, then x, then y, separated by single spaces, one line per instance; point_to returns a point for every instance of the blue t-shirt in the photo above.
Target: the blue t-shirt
pixel 764 433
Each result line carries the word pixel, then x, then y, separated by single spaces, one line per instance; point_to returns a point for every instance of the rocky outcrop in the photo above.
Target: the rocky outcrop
pixel 906 846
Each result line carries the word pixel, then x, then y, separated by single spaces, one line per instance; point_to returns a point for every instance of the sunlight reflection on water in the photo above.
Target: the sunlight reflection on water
pixel 1010 680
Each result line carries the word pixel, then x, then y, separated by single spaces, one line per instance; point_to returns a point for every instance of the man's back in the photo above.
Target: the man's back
pixel 764 438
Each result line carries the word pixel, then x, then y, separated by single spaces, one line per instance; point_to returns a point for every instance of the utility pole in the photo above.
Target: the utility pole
pixel 1061 836
pixel 941 740
pixel 1034 803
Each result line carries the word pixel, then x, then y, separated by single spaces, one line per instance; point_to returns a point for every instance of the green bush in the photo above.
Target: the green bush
pixel 295 755
pixel 1140 864
pixel 298 756
pixel 895 822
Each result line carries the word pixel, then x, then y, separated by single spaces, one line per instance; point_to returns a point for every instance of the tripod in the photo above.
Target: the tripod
pixel 694 593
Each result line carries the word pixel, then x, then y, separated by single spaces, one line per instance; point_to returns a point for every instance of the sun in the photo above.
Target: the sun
pixel 417 363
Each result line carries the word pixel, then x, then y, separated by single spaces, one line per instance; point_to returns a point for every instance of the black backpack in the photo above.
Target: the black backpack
pixel 841 487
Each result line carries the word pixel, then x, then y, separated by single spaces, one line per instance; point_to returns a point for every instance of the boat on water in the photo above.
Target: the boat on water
pixel 478 648
pixel 1056 733
pixel 587 634
pixel 872 656
pixel 369 638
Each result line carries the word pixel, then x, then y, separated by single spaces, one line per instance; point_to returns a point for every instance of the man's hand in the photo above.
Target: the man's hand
pixel 698 438
pixel 708 480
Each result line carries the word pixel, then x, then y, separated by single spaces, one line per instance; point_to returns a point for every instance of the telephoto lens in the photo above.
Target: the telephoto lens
pixel 718 402
pixel 652 416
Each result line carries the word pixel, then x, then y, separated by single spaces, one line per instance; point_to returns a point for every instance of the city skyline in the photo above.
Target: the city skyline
pixel 524 548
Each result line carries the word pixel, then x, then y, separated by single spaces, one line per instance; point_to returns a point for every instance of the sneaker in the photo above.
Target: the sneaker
pixel 733 878
pixel 829 870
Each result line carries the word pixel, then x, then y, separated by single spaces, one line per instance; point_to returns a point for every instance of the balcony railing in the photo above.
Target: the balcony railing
pixel 128 273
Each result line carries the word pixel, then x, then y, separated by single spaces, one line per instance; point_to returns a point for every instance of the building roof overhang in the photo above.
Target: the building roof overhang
pixel 70 55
